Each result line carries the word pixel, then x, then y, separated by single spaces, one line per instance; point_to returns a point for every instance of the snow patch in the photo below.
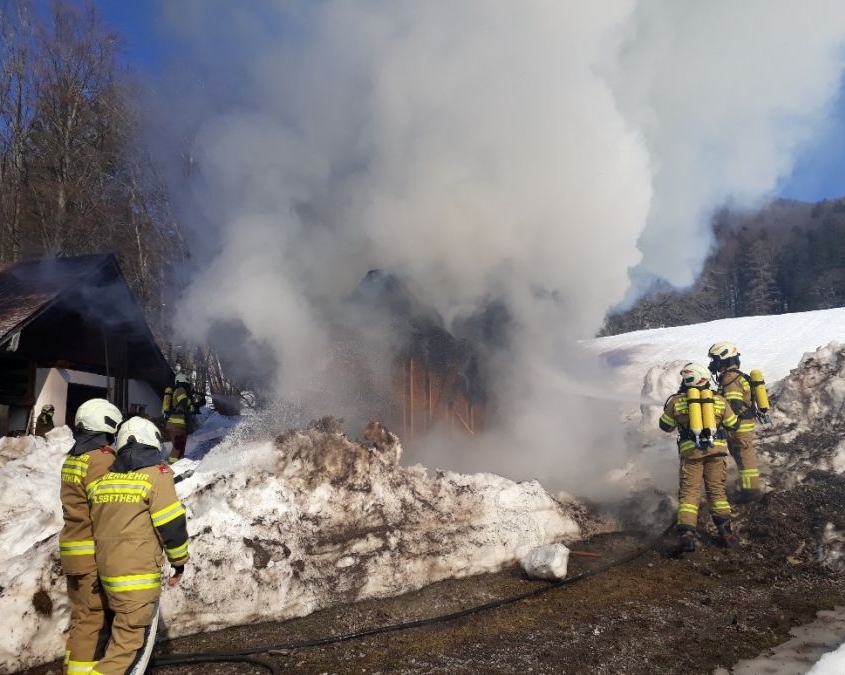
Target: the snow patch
pixel 278 529
pixel 548 562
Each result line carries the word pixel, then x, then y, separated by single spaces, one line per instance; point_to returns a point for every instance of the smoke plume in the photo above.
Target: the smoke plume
pixel 529 154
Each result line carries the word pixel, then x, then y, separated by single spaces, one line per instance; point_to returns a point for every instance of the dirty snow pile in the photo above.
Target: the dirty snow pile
pixel 810 403
pixel 278 529
pixel 805 433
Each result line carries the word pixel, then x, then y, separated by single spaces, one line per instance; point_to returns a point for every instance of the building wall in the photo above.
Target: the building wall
pixel 51 387
pixel 428 399
pixel 142 394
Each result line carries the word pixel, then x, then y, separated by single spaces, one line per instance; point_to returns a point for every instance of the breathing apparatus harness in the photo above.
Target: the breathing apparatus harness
pixel 702 427
pixel 759 407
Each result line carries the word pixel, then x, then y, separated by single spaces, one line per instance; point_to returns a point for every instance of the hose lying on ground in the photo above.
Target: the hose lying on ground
pixel 211 657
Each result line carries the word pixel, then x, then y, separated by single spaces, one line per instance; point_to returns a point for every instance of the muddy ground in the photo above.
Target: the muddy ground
pixel 652 614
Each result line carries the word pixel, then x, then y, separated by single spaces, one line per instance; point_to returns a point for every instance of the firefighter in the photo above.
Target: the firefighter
pixel 44 422
pixel 177 407
pixel 135 513
pixel 702 451
pixel 88 460
pixel 735 386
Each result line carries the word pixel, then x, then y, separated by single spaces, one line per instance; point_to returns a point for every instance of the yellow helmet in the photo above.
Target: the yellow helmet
pixel 695 375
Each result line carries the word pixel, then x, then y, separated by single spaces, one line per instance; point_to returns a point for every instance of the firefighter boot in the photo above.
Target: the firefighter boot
pixel 723 525
pixel 748 496
pixel 686 540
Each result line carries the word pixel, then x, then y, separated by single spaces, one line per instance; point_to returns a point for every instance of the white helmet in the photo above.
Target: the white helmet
pixel 182 378
pixel 97 414
pixel 695 375
pixel 723 351
pixel 138 430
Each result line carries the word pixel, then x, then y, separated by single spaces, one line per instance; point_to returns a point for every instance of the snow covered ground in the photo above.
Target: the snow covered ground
pixel 283 526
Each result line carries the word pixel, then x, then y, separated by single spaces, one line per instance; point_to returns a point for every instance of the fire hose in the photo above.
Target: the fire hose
pixel 245 655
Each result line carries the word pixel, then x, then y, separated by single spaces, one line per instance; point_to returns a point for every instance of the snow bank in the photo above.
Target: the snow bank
pixel 813 393
pixel 278 529
pixel 808 417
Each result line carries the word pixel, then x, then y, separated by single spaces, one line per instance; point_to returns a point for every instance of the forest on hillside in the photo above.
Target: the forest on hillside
pixel 787 257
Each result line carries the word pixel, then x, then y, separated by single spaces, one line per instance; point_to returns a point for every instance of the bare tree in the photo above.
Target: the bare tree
pixel 17 94
pixel 761 293
pixel 75 137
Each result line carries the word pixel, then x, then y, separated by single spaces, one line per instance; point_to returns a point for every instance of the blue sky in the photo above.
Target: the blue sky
pixel 818 174
pixel 820 170
pixel 136 21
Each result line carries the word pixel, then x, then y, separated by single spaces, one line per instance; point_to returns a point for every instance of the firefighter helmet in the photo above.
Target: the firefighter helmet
pixel 722 355
pixel 182 378
pixel 97 414
pixel 138 430
pixel 723 351
pixel 695 375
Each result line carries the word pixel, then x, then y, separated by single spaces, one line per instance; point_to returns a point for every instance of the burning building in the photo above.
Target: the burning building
pixel 437 379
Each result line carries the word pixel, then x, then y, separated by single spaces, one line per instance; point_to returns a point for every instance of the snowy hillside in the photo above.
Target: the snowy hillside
pixel 775 344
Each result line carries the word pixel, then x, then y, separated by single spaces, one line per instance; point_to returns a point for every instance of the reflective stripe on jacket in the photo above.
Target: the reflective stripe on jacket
pixel 735 387
pixel 136 514
pixel 676 416
pixel 180 406
pixel 76 540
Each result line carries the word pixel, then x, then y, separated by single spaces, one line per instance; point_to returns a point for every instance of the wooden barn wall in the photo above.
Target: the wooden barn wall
pixel 429 399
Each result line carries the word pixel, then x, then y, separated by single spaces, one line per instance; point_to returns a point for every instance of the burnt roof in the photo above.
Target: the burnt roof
pixel 28 288
pixel 48 301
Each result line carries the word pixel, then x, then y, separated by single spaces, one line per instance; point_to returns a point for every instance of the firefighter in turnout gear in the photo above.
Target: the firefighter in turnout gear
pixel 44 422
pixel 135 513
pixel 88 460
pixel 176 408
pixel 699 417
pixel 736 387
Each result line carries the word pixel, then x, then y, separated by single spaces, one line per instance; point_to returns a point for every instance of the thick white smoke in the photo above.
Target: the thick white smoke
pixel 529 152
pixel 725 94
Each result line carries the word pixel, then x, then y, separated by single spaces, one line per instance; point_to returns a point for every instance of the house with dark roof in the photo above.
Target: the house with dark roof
pixel 70 330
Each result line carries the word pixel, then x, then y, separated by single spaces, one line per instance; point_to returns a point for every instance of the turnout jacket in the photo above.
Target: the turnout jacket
pixel 676 416
pixel 136 514
pixel 180 406
pixel 89 459
pixel 735 386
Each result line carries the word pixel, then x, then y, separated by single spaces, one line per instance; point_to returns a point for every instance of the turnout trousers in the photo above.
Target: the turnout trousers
pixel 133 613
pixel 711 469
pixel 87 620
pixel 178 435
pixel 741 446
